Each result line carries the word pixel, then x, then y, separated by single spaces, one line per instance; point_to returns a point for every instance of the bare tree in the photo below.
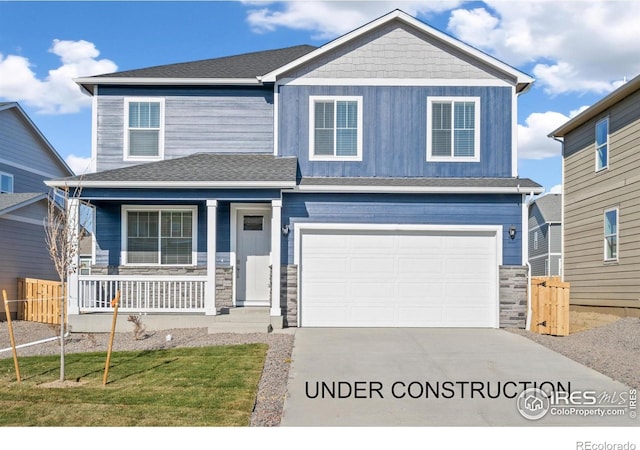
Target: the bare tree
pixel 63 232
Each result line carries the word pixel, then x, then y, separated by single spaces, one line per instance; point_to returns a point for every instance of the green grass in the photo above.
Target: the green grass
pixel 208 386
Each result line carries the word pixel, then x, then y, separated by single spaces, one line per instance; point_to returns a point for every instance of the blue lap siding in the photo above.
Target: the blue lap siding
pixel 433 209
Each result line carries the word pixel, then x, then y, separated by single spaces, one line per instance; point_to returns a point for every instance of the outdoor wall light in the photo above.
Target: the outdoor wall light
pixel 512 232
pixel 285 230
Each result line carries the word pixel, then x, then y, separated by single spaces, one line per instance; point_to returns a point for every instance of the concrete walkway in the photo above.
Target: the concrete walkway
pixel 437 377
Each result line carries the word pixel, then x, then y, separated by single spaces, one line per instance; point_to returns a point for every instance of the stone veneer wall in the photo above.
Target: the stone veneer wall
pixel 224 287
pixel 513 296
pixel 289 294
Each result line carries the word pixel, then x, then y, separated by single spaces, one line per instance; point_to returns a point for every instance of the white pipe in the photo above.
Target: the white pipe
pixel 28 344
pixel 529 308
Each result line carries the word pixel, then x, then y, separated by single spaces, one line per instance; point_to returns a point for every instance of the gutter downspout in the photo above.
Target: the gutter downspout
pixel 529 308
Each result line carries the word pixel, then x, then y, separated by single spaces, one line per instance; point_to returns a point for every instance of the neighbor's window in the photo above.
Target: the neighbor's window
pixel 144 133
pixel 160 236
pixel 611 234
pixel 453 129
pixel 602 144
pixel 535 240
pixel 335 131
pixel 6 183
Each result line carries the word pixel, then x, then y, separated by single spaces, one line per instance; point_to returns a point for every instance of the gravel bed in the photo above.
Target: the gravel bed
pixel 273 383
pixel 612 349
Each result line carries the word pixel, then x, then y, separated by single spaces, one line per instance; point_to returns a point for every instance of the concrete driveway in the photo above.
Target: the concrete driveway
pixel 442 377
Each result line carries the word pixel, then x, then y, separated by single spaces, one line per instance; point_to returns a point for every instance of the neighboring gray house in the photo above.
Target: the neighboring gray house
pixel 545 235
pixel 26 160
pixel 601 223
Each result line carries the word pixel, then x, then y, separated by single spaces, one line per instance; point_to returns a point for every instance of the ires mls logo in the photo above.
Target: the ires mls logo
pixel 534 403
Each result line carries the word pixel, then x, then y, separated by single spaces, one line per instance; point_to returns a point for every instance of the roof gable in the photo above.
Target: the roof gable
pixel 550 207
pixel 436 38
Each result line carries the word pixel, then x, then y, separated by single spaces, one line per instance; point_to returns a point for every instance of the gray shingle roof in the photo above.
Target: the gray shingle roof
pixel 202 168
pixel 248 65
pixel 524 183
pixel 550 206
pixel 10 202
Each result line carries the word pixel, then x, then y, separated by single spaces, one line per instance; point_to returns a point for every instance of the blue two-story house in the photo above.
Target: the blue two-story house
pixel 369 182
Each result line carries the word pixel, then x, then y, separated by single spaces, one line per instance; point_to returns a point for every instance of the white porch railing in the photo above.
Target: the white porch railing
pixel 140 293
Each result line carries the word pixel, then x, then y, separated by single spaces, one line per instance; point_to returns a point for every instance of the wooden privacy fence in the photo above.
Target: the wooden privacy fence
pixel 40 300
pixel 549 306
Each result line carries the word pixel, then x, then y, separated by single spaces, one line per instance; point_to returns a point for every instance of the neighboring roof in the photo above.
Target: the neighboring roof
pixel 550 206
pixel 200 170
pixel 246 68
pixel 607 102
pixel 265 67
pixel 11 105
pixel 375 184
pixel 11 202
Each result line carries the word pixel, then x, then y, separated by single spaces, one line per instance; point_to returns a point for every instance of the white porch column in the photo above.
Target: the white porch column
pixel 73 222
pixel 210 290
pixel 276 224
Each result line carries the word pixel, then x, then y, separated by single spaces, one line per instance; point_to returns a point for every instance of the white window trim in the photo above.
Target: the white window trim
pixel 126 155
pixel 535 240
pixel 598 169
pixel 166 208
pixel 476 154
pixel 10 176
pixel 617 234
pixel 312 100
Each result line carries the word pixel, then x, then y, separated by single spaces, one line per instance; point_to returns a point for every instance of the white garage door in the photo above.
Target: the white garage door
pixel 399 279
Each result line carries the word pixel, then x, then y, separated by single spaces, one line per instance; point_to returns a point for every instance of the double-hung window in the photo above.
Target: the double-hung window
pixel 335 128
pixel 144 123
pixel 6 183
pixel 602 144
pixel 160 236
pixel 453 129
pixel 611 234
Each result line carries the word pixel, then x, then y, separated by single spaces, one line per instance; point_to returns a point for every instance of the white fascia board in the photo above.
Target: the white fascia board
pixel 415 189
pixel 171 184
pixel 480 82
pixel 521 77
pixel 86 83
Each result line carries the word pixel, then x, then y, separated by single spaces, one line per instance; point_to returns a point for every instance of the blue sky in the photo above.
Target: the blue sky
pixel 571 48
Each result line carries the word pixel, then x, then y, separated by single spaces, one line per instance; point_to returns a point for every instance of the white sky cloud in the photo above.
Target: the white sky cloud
pixel 56 93
pixel 79 164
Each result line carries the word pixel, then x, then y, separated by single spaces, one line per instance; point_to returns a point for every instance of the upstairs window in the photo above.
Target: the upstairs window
pixel 453 129
pixel 611 234
pixel 602 144
pixel 144 129
pixel 6 183
pixel 535 240
pixel 335 131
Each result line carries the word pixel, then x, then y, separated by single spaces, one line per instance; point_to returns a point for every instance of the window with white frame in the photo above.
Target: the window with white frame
pixel 602 144
pixel 335 128
pixel 144 123
pixel 160 236
pixel 6 183
pixel 535 240
pixel 611 234
pixel 453 129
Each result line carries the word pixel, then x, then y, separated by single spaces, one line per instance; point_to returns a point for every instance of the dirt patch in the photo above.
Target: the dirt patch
pixel 62 384
pixel 584 320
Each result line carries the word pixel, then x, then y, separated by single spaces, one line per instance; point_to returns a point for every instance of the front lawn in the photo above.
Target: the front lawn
pixel 207 386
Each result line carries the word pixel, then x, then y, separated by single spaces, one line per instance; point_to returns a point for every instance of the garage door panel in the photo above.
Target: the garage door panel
pixel 415 279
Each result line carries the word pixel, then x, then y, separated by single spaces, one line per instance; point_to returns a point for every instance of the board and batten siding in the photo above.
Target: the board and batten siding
pixel 228 120
pixel 588 194
pixel 428 209
pixel 395 131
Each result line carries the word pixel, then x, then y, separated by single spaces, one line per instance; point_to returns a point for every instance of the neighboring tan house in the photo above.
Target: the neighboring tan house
pixel 26 160
pixel 369 182
pixel 601 182
pixel 545 235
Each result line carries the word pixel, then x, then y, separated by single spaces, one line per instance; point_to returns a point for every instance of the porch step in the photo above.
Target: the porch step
pixel 246 314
